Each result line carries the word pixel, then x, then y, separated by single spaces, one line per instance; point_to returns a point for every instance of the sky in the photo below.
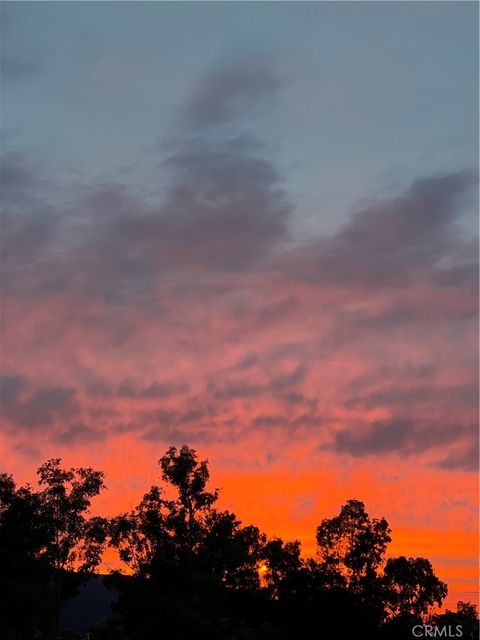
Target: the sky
pixel 251 228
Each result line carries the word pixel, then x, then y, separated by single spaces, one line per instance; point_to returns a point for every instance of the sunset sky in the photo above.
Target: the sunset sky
pixel 251 228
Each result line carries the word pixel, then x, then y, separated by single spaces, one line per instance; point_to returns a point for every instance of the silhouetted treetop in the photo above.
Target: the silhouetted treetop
pixel 45 533
pixel 352 544
pixel 412 587
pixel 197 571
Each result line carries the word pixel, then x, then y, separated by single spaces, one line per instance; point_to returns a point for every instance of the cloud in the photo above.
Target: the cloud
pixel 77 434
pixel 16 67
pixel 398 435
pixel 159 391
pixel 223 210
pixel 29 226
pixel 41 408
pixel 406 394
pixel 398 241
pixel 264 382
pixel 10 387
pixel 466 460
pixel 228 93
pixel 19 62
pixel 195 317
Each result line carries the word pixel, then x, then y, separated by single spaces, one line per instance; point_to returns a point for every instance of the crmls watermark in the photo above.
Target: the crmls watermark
pixel 432 631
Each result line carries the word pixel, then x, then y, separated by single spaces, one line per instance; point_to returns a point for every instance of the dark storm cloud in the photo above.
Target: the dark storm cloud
pixel 230 92
pixel 395 241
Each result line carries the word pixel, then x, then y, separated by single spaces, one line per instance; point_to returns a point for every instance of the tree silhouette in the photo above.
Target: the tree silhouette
pixel 185 550
pixel 351 545
pixel 465 616
pixel 186 513
pixel 350 553
pixel 284 567
pixel 24 575
pixel 45 534
pixel 411 586
pixel 197 571
pixel 74 541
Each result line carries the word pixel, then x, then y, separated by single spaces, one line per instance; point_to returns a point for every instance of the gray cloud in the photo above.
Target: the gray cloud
pixel 248 361
pixel 399 435
pixel 231 389
pixel 158 391
pixel 35 409
pixel 466 460
pixel 10 387
pixel 79 433
pixel 270 420
pixel 52 410
pixel 16 67
pixel 424 394
pixel 29 227
pixel 397 241
pixel 227 93
pixel 17 62
pixel 280 385
pixel 223 210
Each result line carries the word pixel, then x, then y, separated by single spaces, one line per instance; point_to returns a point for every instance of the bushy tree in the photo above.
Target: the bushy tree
pixel 44 534
pixel 75 540
pixel 284 567
pixel 185 550
pixel 465 617
pixel 351 545
pixel 195 571
pixel 24 573
pixel 412 586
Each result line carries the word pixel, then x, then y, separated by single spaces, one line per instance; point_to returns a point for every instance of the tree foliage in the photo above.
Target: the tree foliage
pixel 46 534
pixel 196 571
pixel 351 545
pixel 412 586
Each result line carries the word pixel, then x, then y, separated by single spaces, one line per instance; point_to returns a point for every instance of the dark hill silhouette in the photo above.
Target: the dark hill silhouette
pixel 92 604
